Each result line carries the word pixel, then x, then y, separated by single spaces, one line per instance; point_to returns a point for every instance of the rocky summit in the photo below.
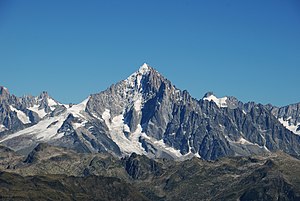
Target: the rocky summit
pixel 147 115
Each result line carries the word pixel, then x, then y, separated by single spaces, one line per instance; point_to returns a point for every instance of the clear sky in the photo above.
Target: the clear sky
pixel 247 49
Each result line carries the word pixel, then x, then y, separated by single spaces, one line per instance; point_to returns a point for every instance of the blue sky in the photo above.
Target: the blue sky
pixel 247 49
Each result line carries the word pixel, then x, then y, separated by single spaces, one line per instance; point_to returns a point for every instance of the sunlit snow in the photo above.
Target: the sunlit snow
pixel 21 115
pixel 40 112
pixel 47 128
pixel 221 102
pixel 289 125
pixel 116 128
pixel 2 128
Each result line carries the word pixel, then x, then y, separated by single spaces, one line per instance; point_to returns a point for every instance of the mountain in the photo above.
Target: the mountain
pixel 147 115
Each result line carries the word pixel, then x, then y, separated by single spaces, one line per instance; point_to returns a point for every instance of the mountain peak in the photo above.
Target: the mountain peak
pixel 208 94
pixel 44 95
pixel 4 91
pixel 144 71
pixel 220 102
pixel 145 68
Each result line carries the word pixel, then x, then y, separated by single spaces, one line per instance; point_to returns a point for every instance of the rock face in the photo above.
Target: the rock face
pixel 289 116
pixel 19 113
pixel 146 108
pixel 147 115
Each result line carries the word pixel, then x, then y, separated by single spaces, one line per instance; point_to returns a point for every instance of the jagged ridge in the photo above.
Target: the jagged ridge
pixel 148 115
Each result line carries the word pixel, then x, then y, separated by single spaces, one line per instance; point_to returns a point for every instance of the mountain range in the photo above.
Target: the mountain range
pixel 147 115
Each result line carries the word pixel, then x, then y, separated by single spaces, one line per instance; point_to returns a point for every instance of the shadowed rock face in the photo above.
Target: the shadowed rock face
pixel 58 173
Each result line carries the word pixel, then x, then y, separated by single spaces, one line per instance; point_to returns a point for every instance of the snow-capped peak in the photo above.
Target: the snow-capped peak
pixel 135 78
pixel 144 69
pixel 221 102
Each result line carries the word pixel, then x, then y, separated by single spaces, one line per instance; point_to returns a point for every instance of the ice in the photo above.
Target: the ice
pixel 47 128
pixel 106 116
pixel 43 131
pixel 221 102
pixel 52 103
pixel 144 69
pixel 163 146
pixel 21 115
pixel 78 125
pixel 244 141
pixel 197 155
pixel 40 112
pixel 138 104
pixel 2 128
pixel 130 142
pixel 135 78
pixel 117 127
pixel 290 126
pixel 78 110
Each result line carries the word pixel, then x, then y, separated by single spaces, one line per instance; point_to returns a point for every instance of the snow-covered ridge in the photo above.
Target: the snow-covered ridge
pixel 144 69
pixel 286 123
pixel 47 129
pixel 135 78
pixel 40 112
pixel 52 103
pixel 21 115
pixel 245 142
pixel 221 102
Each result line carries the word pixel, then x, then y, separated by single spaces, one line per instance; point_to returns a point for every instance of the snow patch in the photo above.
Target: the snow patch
pixel 292 127
pixel 78 125
pixel 137 103
pixel 163 146
pixel 117 127
pixel 221 102
pixel 52 103
pixel 2 128
pixel 244 141
pixel 21 115
pixel 197 155
pixel 135 78
pixel 77 110
pixel 144 69
pixel 41 112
